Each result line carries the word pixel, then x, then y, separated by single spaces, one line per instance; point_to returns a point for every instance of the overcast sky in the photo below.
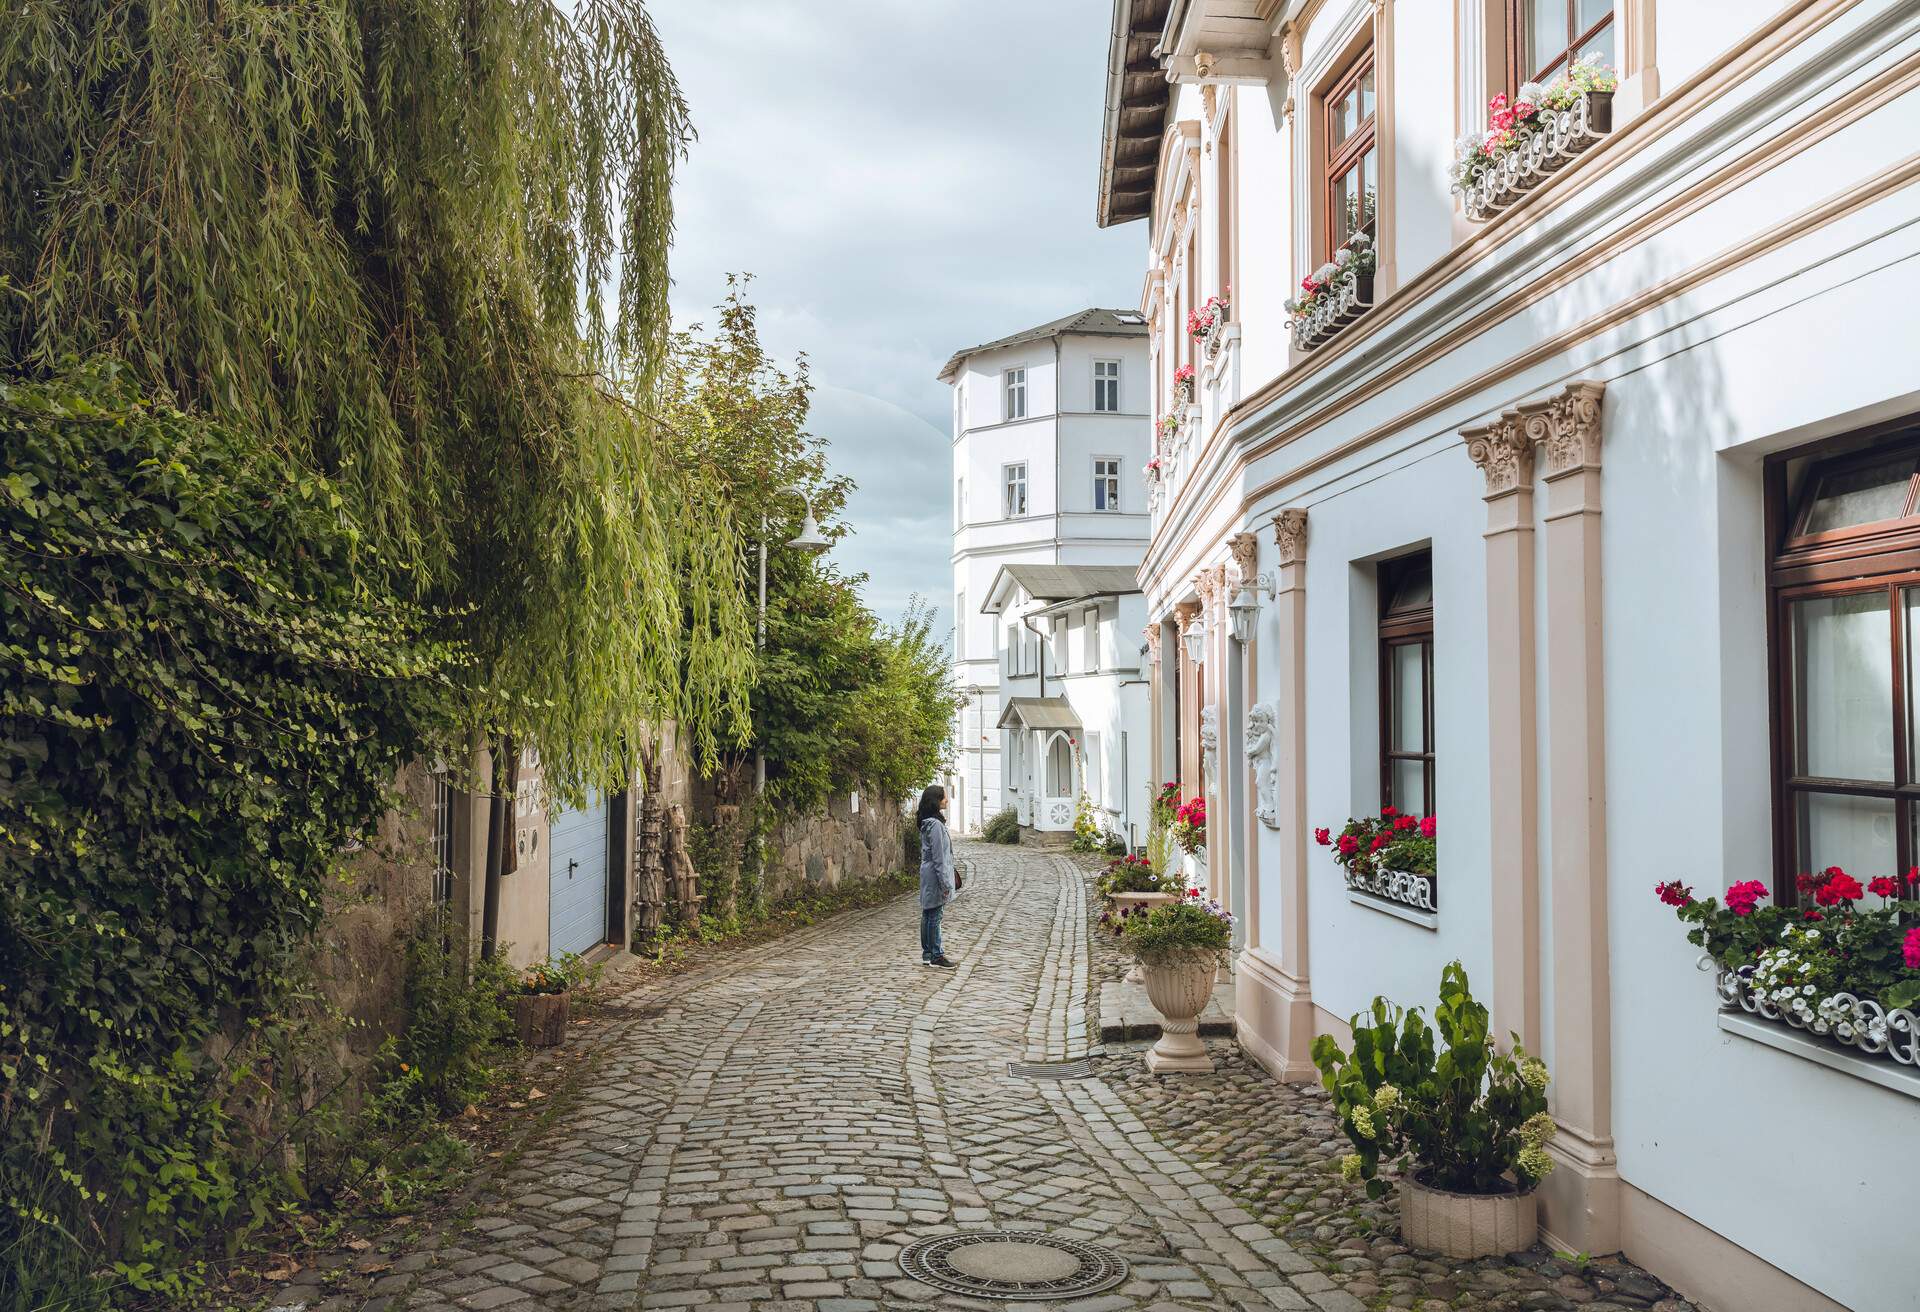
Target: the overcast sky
pixel 904 178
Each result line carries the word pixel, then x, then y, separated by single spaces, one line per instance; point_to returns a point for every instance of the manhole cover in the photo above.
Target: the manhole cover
pixel 1049 1070
pixel 1012 1264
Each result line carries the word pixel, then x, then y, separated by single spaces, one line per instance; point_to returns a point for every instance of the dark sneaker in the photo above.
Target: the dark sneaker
pixel 941 963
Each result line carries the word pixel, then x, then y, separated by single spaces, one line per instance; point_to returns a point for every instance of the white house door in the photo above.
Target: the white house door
pixel 1058 789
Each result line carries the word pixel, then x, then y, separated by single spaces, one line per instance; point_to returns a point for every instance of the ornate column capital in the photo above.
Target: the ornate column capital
pixel 1290 535
pixel 1246 555
pixel 1503 453
pixel 1208 583
pixel 1183 613
pixel 1567 426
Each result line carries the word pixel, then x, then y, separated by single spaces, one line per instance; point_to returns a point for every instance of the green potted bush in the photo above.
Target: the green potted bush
pixel 1468 1120
pixel 1178 947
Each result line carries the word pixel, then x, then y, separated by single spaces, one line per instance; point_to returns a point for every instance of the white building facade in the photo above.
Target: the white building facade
pixel 1585 522
pixel 1050 438
pixel 1073 728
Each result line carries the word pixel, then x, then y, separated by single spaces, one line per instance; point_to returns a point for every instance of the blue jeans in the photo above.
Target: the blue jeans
pixel 930 933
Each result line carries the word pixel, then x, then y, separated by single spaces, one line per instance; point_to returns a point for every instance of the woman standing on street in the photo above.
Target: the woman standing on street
pixel 936 874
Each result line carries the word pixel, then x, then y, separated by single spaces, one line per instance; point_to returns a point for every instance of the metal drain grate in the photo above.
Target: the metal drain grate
pixel 1014 1265
pixel 1049 1070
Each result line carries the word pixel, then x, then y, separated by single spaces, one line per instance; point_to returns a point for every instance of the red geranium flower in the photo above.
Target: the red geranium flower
pixel 1348 845
pixel 1387 810
pixel 1838 886
pixel 1674 893
pixel 1910 949
pixel 1427 827
pixel 1320 836
pixel 1743 897
pixel 1404 822
pixel 1884 886
pixel 1811 914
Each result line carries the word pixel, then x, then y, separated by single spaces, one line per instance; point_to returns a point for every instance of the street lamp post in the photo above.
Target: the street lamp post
pixel 810 540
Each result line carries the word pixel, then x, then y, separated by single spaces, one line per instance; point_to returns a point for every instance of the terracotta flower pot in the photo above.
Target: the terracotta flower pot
pixel 1466 1225
pixel 1179 989
pixel 541 1018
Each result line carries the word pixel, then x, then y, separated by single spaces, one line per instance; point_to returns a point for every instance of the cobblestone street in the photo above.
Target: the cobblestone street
pixel 769 1133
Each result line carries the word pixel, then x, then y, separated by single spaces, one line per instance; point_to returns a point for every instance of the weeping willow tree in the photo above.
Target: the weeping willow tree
pixel 419 247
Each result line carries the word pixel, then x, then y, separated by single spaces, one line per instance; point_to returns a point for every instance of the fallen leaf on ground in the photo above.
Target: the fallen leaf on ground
pixel 357 1245
pixel 535 1093
pixel 287 1272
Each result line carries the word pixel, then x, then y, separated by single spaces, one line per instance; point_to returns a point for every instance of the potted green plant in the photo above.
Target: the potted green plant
pixel 1178 948
pixel 1469 1120
pixel 543 1005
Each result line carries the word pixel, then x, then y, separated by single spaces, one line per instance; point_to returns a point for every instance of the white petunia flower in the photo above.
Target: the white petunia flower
pixel 1324 272
pixel 1532 92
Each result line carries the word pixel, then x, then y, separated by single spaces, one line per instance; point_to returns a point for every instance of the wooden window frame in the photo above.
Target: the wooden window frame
pixel 1100 383
pixel 1107 484
pixel 1008 388
pixel 1405 629
pixel 1006 490
pixel 1345 158
pixel 1517 73
pixel 1881 556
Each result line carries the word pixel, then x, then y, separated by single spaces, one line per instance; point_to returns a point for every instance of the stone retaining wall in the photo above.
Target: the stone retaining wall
pixel 820 852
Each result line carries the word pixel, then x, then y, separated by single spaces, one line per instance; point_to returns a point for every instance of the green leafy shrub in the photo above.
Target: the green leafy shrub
pixel 457 1017
pixel 1002 827
pixel 1472 1119
pixel 202 699
pixel 1087 836
pixel 1160 935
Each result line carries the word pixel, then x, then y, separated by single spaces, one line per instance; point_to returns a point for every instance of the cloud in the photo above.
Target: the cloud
pixel 903 180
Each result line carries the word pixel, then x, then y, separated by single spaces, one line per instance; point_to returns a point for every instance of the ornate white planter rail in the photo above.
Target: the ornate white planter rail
pixel 1560 139
pixel 1867 1026
pixel 1400 886
pixel 1334 312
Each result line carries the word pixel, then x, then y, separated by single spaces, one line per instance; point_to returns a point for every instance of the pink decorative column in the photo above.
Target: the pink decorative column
pixel 1504 454
pixel 1246 567
pixel 1580 1203
pixel 1274 1001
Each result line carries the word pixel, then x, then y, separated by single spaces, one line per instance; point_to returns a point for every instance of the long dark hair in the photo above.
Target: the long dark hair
pixel 930 804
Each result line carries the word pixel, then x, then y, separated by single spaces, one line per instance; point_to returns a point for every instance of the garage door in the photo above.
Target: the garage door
pixel 577 879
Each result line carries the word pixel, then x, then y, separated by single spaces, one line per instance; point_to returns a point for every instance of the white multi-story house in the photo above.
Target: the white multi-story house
pixel 1580 512
pixel 1050 435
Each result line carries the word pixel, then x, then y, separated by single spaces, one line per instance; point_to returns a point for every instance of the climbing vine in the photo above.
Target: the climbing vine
pixel 202 701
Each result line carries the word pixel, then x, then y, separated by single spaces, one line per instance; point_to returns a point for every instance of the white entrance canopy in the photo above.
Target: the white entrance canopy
pixel 1039 713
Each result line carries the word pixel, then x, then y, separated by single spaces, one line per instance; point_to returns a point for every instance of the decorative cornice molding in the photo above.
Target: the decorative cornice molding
pixel 1290 535
pixel 1246 555
pixel 1567 426
pixel 1503 453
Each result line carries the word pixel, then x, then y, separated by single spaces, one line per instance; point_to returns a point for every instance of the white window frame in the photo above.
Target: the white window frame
pixel 1013 393
pixel 1106 374
pixel 960 625
pixel 1008 482
pixel 1108 482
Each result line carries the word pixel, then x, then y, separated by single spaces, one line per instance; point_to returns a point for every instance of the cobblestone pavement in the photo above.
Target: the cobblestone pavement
pixel 766 1135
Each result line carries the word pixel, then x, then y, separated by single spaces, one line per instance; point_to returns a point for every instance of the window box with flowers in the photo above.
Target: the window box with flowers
pixel 1333 295
pixel 1391 863
pixel 1183 385
pixel 1190 826
pixel 1533 136
pixel 1204 322
pixel 1841 970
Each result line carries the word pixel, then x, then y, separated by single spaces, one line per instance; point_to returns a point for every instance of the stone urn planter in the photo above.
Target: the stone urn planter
pixel 1148 900
pixel 540 1019
pixel 1179 987
pixel 1466 1225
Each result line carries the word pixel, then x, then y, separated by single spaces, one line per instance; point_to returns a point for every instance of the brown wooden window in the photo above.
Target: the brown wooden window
pixel 1845 621
pixel 1353 166
pixel 1545 37
pixel 1406 683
